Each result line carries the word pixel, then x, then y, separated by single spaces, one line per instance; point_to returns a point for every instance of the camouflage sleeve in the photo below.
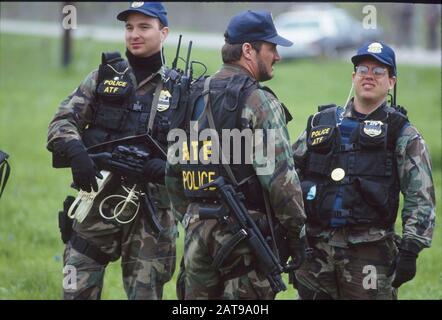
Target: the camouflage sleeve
pixel 276 173
pixel 73 115
pixel 175 190
pixel 416 182
pixel 299 149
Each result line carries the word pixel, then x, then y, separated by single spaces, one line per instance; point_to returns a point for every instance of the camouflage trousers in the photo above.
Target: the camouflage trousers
pixel 147 259
pixel 235 279
pixel 359 271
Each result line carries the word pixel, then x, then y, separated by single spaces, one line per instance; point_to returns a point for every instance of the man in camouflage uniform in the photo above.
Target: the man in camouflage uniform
pixel 237 101
pixel 114 102
pixel 353 165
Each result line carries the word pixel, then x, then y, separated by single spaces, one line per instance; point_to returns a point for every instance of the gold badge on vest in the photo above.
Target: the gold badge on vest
pixel 164 101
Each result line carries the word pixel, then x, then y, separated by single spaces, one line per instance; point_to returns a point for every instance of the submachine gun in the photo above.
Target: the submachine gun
pixel 128 161
pixel 267 263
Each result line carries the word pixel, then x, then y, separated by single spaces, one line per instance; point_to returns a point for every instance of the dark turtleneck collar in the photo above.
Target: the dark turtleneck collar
pixel 144 67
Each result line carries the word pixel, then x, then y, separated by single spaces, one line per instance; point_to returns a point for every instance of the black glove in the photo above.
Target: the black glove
pixel 155 170
pixel 83 168
pixel 405 267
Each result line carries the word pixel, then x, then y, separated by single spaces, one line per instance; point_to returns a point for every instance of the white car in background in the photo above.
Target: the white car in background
pixel 321 32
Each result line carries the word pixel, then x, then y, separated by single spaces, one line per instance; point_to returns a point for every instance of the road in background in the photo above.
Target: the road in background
pixel 415 56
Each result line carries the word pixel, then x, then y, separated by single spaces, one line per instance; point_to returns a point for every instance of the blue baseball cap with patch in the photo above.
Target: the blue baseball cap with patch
pixel 249 26
pixel 379 51
pixel 151 9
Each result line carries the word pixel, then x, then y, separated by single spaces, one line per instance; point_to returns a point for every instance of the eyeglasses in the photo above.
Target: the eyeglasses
pixel 378 72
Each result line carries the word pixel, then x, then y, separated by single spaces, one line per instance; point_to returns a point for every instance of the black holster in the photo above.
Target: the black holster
pixel 64 222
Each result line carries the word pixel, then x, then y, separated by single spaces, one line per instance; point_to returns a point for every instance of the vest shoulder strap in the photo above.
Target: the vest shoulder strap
pixel 396 121
pixel 326 106
pixel 326 115
pixel 238 88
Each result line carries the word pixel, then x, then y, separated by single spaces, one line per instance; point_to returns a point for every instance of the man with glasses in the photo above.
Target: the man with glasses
pixel 353 164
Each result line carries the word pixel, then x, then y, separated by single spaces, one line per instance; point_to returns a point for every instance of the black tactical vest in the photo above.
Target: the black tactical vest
pixel 227 99
pixel 119 111
pixel 352 181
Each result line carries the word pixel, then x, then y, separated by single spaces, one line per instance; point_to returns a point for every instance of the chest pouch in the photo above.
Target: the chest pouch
pixel 113 97
pixel 373 134
pixel 320 138
pixel 114 91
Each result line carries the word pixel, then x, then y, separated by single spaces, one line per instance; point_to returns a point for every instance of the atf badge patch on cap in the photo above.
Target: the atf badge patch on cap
pixel 373 128
pixel 137 4
pixel 164 101
pixel 375 47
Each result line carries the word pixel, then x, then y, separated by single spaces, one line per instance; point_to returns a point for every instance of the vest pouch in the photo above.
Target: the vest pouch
pixel 319 163
pixel 373 135
pixel 320 138
pixel 113 91
pixel 374 193
pixel 110 117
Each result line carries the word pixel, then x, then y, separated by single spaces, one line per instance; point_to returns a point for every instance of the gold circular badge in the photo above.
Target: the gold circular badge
pixel 338 174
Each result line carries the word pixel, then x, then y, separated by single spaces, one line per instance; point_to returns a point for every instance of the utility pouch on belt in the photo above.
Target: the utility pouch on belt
pixel 64 222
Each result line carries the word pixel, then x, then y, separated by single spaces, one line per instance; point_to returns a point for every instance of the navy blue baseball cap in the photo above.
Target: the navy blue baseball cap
pixel 379 51
pixel 249 26
pixel 151 9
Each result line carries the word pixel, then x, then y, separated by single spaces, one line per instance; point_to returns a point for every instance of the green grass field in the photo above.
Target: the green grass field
pixel 31 87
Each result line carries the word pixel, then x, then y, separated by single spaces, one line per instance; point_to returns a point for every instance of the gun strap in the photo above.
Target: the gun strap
pixel 4 166
pixel 270 222
pixel 227 248
pixel 88 249
pixel 154 106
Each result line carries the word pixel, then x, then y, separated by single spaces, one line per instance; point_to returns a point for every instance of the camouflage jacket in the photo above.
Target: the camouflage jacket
pixel 75 113
pixel 416 184
pixel 262 111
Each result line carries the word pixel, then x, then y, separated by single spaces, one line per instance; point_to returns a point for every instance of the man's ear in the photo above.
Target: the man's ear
pixel 164 33
pixel 392 82
pixel 247 50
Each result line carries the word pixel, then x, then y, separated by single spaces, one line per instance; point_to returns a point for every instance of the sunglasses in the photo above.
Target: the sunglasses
pixel 378 72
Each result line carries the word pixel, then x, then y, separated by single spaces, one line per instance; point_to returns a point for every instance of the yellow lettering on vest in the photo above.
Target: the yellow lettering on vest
pixel 186 156
pixel 317 140
pixel 115 83
pixel 194 145
pixel 318 133
pixel 211 175
pixel 189 180
pixel 110 89
pixel 207 149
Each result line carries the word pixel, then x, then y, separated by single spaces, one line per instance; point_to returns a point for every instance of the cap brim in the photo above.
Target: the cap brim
pixel 280 41
pixel 355 59
pixel 122 16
